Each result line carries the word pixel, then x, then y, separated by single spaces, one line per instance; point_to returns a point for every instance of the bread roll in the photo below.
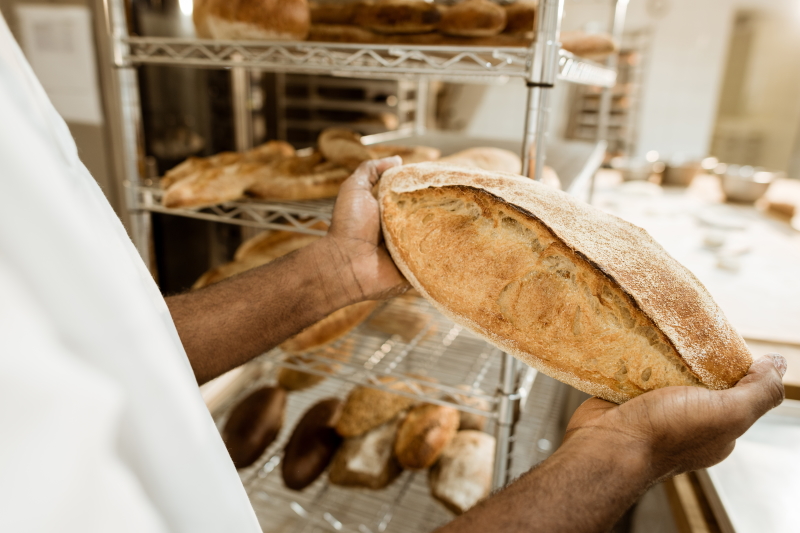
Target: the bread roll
pixel 312 445
pixel 423 434
pixel 486 158
pixel 470 420
pixel 583 296
pixel 473 18
pixel 591 46
pixel 367 460
pixel 200 19
pixel 463 475
pixel 367 408
pixel 398 16
pixel 332 12
pixel 409 154
pixel 343 147
pixel 297 178
pixel 253 425
pixel 266 20
pixel 330 328
pixel 520 18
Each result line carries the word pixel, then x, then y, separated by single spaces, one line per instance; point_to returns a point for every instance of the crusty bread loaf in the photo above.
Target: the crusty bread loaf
pixel 253 424
pixel 520 17
pixel 267 20
pixel 583 296
pixel 297 178
pixel 214 185
pixel 312 444
pixel 398 16
pixel 486 158
pixel 473 18
pixel 332 12
pixel 470 420
pixel 463 475
pixel 325 360
pixel 367 408
pixel 423 434
pixel 269 152
pixel 194 165
pixel 409 154
pixel 367 460
pixel 591 46
pixel 330 328
pixel 343 147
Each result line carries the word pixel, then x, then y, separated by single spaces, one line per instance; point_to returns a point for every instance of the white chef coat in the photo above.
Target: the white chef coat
pixel 102 426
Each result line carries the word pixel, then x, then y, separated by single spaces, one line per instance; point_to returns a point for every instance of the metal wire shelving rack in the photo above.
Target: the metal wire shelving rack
pixel 443 351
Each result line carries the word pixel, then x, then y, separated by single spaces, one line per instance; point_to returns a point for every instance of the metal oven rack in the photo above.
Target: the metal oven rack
pixel 467 359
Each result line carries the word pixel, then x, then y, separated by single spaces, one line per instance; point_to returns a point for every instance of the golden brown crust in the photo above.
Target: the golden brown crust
pixel 520 17
pixel 258 19
pixel 473 18
pixel 343 147
pixel 330 328
pixel 470 420
pixel 584 296
pixel 199 18
pixel 332 12
pixel 426 430
pixel 298 178
pixel 398 16
pixel 214 185
pixel 367 408
pixel 294 380
pixel 341 33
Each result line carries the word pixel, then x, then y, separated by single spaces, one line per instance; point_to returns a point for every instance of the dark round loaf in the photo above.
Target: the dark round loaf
pixel 312 445
pixel 253 425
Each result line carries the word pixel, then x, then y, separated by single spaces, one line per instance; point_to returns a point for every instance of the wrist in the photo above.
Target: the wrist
pixel 335 273
pixel 628 460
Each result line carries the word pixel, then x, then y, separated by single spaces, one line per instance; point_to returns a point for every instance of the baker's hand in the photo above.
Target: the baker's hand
pixel 355 237
pixel 679 429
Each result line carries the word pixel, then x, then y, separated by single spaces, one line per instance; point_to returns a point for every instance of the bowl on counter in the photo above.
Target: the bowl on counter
pixel 681 173
pixel 637 169
pixel 744 184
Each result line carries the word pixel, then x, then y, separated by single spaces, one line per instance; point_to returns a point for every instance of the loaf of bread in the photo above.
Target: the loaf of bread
pixel 423 434
pixel 470 420
pixel 200 19
pixel 330 328
pixel 343 33
pixel 312 445
pixel 267 20
pixel 297 178
pixel 332 12
pixel 520 18
pixel 463 475
pixel 253 425
pixel 398 16
pixel 486 158
pixel 323 360
pixel 473 18
pixel 367 408
pixel 409 154
pixel 591 46
pixel 367 460
pixel 583 296
pixel 343 147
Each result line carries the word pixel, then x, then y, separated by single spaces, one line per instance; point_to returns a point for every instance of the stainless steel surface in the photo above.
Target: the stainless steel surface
pixel 745 184
pixel 240 96
pixel 357 59
pixel 504 427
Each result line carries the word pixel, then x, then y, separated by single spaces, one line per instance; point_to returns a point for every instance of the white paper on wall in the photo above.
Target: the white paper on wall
pixel 58 42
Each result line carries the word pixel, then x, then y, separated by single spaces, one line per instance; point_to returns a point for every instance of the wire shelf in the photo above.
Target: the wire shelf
pixel 355 59
pixel 295 216
pixel 438 349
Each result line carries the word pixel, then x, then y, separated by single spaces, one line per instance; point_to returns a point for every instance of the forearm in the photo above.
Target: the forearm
pixel 229 323
pixel 584 487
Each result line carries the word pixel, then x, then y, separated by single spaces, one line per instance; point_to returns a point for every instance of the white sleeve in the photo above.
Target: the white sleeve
pixel 58 442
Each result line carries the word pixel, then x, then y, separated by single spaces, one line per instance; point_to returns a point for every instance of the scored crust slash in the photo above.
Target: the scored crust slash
pixel 583 296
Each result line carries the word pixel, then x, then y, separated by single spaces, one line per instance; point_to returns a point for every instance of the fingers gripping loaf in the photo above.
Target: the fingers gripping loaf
pixel 579 294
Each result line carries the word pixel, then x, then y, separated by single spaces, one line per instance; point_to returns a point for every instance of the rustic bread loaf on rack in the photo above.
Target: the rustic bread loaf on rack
pixel 473 18
pixel 312 445
pixel 253 424
pixel 368 459
pixel 520 18
pixel 463 475
pixel 426 430
pixel 398 16
pixel 367 407
pixel 264 20
pixel 583 296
